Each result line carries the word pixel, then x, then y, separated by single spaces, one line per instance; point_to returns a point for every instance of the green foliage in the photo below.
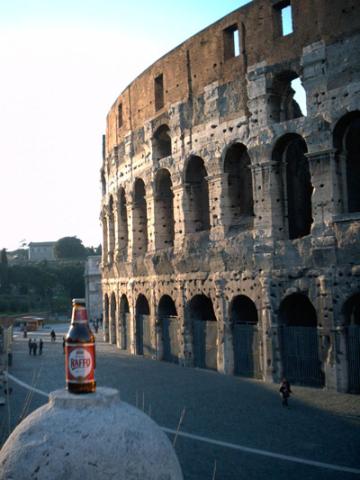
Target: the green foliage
pixel 69 248
pixel 49 286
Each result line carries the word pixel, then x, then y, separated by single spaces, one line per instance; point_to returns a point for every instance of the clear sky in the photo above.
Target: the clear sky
pixel 63 63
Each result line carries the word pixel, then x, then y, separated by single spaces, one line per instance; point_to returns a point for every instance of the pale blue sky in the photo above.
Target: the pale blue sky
pixel 63 63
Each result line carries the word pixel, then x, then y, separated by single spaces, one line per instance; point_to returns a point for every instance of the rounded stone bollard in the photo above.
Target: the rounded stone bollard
pixel 93 437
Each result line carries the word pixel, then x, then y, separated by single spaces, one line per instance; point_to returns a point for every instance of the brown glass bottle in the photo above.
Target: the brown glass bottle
pixel 80 351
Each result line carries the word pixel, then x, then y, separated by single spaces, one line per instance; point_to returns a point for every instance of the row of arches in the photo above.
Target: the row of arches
pixel 291 186
pixel 196 337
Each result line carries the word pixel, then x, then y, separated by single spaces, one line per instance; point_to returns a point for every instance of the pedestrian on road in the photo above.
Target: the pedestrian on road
pixel 285 391
pixel 40 346
pixel 30 343
pixel 64 344
pixel 35 346
pixel 53 336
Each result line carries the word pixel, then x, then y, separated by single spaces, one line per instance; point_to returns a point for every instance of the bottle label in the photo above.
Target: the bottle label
pixel 80 362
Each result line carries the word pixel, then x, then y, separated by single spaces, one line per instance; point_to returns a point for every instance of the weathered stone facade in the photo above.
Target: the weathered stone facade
pixel 231 219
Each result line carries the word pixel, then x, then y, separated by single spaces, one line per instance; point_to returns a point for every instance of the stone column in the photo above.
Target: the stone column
pixel 150 216
pixel 326 181
pixel 225 354
pixel 269 333
pixel 179 216
pixel 219 222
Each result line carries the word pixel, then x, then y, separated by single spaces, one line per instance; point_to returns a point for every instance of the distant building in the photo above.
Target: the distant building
pixel 39 251
pixel 93 286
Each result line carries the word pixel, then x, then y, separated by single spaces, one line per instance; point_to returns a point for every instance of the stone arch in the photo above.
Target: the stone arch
pixel 299 341
pixel 245 336
pixel 296 188
pixel 124 323
pixel 204 331
pixel 282 105
pixel 197 196
pixel 143 327
pixel 122 224
pixel 239 203
pixel 169 329
pixel 346 140
pixel 111 229
pixel 161 143
pixel 351 317
pixel 140 236
pixel 112 329
pixel 106 319
pixel 164 210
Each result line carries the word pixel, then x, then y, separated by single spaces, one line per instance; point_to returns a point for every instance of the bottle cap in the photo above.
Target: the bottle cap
pixel 78 301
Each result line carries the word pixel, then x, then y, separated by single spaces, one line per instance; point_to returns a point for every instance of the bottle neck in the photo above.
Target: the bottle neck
pixel 79 315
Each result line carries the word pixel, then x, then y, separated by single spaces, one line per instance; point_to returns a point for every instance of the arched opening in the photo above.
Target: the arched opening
pixel 112 332
pixel 161 143
pixel 111 231
pixel 296 187
pixel 347 144
pixel 351 313
pixel 246 338
pixel 143 329
pixel 204 332
pixel 299 341
pixel 122 225
pixel 168 320
pixel 239 196
pixel 285 94
pixel 197 195
pixel 140 237
pixel 124 323
pixel 164 213
pixel 106 319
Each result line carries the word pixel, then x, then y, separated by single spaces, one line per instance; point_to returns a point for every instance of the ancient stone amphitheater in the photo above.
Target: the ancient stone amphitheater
pixel 230 211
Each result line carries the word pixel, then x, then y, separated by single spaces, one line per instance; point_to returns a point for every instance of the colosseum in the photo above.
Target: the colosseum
pixel 230 210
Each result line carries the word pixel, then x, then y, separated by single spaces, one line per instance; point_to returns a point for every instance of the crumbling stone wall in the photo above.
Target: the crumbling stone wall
pixel 227 210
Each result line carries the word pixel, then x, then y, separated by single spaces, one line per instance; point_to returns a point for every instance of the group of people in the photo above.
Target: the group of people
pixel 34 345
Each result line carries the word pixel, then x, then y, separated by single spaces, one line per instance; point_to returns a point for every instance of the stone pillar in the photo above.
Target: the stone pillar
pixel 179 216
pixel 219 222
pixel 325 178
pixel 89 436
pixel 105 318
pixel 267 194
pixel 104 222
pixel 150 215
pixel 130 254
pixel 270 351
pixel 225 353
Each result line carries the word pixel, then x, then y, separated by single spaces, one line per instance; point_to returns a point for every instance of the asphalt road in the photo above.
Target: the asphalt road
pixel 238 413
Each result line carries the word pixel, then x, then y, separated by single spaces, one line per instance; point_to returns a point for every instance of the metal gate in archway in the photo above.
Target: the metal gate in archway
pixel 143 335
pixel 353 354
pixel 205 341
pixel 171 347
pixel 300 356
pixel 125 333
pixel 246 340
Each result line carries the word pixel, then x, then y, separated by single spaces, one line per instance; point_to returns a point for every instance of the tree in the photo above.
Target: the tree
pixel 69 248
pixel 4 271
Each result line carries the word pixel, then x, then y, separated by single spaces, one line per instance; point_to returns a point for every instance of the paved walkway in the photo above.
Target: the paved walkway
pixel 232 428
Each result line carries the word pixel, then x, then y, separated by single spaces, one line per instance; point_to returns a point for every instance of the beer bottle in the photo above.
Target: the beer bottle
pixel 80 351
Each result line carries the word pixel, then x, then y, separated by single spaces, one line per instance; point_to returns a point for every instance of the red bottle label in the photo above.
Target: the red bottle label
pixel 80 362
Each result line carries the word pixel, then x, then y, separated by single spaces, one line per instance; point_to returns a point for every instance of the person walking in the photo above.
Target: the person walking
pixel 35 346
pixel 53 336
pixel 30 344
pixel 64 344
pixel 40 346
pixel 285 391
